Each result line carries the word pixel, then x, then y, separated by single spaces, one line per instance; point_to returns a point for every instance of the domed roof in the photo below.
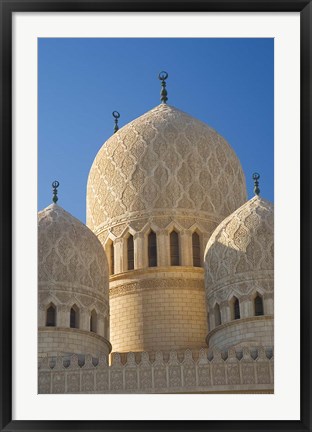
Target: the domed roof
pixel 164 161
pixel 243 243
pixel 69 254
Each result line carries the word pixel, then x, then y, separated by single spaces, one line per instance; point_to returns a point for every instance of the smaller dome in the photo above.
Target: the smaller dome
pixel 241 247
pixel 70 255
pixel 73 305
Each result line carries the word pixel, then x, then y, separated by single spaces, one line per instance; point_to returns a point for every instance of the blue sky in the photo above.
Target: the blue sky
pixel 227 83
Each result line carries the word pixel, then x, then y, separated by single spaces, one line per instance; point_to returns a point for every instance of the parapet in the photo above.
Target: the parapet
pixel 246 370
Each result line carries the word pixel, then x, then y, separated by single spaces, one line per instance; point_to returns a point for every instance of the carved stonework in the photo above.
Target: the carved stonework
pixel 73 382
pixel 44 382
pixel 58 382
pixel 69 253
pixel 176 374
pixel 165 159
pixel 146 284
pixel 241 244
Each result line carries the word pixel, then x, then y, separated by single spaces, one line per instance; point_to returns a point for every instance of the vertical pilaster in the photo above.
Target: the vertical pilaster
pixel 186 248
pixel 100 325
pixel 139 249
pixel 245 307
pixel 118 255
pixel 225 312
pixel 62 316
pixel 84 319
pixel 163 248
pixel 268 304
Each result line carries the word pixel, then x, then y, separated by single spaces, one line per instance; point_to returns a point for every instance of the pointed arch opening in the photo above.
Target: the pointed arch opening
pixel 51 316
pixel 258 304
pixel 152 249
pixel 130 252
pixel 93 321
pixel 235 308
pixel 196 249
pixel 174 249
pixel 74 317
pixel 217 315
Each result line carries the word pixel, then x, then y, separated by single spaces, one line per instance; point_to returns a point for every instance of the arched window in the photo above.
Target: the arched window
pixel 112 262
pixel 74 317
pixel 196 250
pixel 174 249
pixel 236 310
pixel 258 306
pixel 51 316
pixel 130 249
pixel 152 250
pixel 93 321
pixel 217 315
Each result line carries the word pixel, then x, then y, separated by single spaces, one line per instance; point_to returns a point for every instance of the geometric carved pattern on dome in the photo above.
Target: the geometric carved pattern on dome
pixel 69 253
pixel 163 160
pixel 245 286
pixel 242 244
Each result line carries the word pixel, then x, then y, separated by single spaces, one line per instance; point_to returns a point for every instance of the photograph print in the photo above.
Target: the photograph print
pixel 156 248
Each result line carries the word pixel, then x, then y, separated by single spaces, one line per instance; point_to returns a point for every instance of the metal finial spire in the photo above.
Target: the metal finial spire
pixel 55 185
pixel 256 177
pixel 116 115
pixel 163 93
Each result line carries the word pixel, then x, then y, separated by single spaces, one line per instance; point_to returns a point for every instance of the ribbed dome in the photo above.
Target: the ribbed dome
pixel 242 249
pixel 162 162
pixel 70 255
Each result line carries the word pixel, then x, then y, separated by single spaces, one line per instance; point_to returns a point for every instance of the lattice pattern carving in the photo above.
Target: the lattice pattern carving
pixel 241 249
pixel 164 160
pixel 71 255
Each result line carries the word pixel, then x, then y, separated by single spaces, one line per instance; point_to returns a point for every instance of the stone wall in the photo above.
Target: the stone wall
pixel 246 371
pixel 249 331
pixel 58 341
pixel 158 309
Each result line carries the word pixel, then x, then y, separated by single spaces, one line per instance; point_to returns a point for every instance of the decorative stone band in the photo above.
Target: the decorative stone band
pixel 190 278
pixel 161 219
pixel 245 371
pixel 244 281
pixel 66 293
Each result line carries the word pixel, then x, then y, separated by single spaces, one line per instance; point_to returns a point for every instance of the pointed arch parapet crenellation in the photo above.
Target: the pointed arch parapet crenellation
pixel 191 371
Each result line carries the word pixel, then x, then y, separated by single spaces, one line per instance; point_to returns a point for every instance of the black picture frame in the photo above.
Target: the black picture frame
pixel 7 8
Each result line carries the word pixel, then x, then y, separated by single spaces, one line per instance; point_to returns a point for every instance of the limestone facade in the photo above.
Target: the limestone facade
pixel 158 309
pixel 165 174
pixel 60 341
pixel 176 260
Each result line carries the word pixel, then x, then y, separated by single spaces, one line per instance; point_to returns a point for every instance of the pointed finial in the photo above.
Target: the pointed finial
pixel 116 115
pixel 163 93
pixel 256 177
pixel 55 185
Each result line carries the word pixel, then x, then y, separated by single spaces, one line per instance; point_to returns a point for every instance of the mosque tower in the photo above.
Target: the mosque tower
pixel 156 191
pixel 239 277
pixel 73 301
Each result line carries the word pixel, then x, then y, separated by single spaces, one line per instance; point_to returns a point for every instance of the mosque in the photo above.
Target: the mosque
pixel 168 288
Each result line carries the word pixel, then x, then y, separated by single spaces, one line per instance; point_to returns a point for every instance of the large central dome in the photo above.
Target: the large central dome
pixel 162 163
